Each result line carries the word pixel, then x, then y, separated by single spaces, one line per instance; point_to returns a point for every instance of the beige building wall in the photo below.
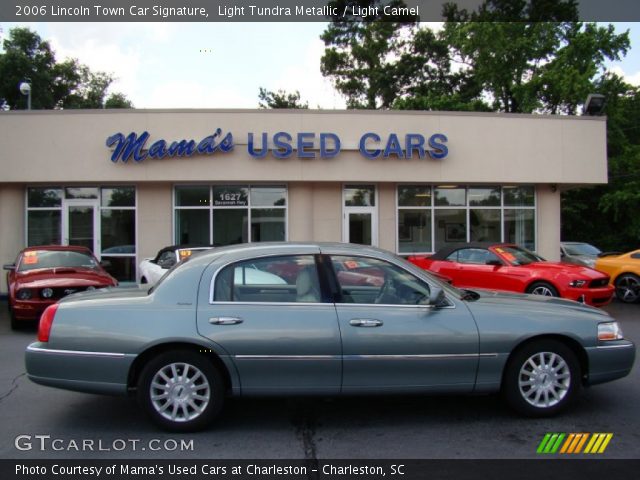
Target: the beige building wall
pixel 12 213
pixel 548 222
pixel 155 217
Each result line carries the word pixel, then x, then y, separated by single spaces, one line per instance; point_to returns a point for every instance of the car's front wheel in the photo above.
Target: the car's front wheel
pixel 542 378
pixel 543 288
pixel 181 390
pixel 628 288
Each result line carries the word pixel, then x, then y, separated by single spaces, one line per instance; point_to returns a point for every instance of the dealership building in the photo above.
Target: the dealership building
pixel 128 182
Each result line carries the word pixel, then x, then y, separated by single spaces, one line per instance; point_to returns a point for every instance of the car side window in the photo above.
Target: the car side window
pixel 476 256
pixel 372 281
pixel 635 256
pixel 281 279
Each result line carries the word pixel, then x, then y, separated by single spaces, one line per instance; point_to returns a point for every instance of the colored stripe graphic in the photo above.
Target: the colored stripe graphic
pixel 573 443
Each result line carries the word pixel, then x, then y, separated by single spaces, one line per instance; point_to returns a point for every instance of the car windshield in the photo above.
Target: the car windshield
pixel 37 259
pixel 518 255
pixel 581 249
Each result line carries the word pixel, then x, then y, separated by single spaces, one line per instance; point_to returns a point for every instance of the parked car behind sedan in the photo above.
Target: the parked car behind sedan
pixel 203 334
pixel 152 269
pixel 579 253
pixel 509 267
pixel 43 275
pixel 624 271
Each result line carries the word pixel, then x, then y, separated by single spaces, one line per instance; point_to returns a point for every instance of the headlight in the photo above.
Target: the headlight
pixel 47 293
pixel 609 331
pixel 24 294
pixel 578 283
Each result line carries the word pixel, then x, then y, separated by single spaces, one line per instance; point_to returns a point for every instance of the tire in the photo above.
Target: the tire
pixel 543 288
pixel 628 288
pixel 529 386
pixel 170 401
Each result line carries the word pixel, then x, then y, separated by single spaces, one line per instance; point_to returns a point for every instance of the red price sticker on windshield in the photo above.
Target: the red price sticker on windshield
pixel 351 264
pixel 30 258
pixel 184 254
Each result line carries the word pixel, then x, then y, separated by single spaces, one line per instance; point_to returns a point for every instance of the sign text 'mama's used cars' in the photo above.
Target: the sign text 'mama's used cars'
pixel 43 275
pixel 207 331
pixel 511 268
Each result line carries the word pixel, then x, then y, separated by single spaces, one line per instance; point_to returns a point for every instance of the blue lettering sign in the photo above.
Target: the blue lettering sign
pixel 308 144
pixel 363 145
pixel 251 149
pixel 132 146
pixel 393 147
pixel 283 147
pixel 326 153
pixel 436 142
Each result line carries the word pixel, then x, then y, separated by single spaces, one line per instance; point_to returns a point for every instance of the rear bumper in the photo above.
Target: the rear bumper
pixel 610 362
pixel 91 372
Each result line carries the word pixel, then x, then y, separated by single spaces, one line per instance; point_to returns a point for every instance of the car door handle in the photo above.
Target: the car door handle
pixel 225 320
pixel 365 322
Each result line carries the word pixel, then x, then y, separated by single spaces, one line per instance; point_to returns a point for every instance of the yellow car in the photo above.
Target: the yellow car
pixel 624 270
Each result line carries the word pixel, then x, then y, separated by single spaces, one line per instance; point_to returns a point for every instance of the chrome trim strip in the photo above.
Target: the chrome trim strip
pixel 420 357
pixel 287 357
pixel 606 347
pixel 366 357
pixel 79 353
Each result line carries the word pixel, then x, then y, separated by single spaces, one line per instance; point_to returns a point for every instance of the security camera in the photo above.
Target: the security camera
pixel 25 88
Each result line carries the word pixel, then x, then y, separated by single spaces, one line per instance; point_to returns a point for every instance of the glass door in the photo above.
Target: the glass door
pixel 360 215
pixel 80 224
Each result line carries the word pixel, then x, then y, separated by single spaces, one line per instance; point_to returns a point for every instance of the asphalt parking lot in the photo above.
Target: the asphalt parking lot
pixel 40 422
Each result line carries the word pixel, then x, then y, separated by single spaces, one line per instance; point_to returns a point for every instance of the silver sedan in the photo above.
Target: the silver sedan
pixel 323 319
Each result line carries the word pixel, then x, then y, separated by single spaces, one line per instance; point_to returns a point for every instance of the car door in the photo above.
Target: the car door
pixel 277 331
pixel 392 341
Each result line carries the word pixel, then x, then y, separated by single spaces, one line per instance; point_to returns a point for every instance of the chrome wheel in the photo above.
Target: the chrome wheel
pixel 543 290
pixel 544 379
pixel 180 392
pixel 628 288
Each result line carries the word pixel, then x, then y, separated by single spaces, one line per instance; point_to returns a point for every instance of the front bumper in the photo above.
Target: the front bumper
pixel 28 310
pixel 596 297
pixel 610 362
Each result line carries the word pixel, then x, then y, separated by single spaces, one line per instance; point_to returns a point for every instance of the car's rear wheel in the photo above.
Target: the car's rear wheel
pixel 543 288
pixel 542 378
pixel 181 390
pixel 628 288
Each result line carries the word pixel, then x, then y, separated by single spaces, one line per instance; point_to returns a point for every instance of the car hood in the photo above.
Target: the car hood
pixel 62 277
pixel 523 301
pixel 569 269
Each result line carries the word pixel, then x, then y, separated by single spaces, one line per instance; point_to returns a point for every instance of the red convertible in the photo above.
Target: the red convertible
pixel 43 275
pixel 512 268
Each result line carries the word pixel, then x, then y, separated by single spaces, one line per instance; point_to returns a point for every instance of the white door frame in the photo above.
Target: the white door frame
pixel 373 211
pixel 82 202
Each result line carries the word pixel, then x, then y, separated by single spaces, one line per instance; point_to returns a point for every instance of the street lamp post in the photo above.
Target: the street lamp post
pixel 25 89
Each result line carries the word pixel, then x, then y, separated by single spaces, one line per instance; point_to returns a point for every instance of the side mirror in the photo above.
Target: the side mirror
pixel 436 297
pixel 495 263
pixel 9 266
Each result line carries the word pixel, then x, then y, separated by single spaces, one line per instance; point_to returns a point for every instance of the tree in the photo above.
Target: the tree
pixel 361 54
pixel 531 56
pixel 66 84
pixel 280 99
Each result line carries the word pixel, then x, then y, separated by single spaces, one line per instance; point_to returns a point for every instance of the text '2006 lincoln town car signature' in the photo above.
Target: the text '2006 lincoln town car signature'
pixel 323 319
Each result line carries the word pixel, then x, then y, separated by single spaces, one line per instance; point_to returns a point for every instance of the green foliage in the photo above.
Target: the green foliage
pixel 66 84
pixel 280 99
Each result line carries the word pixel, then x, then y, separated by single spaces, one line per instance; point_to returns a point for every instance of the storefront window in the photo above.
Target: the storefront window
pixel 66 215
pixel 476 213
pixel 234 215
pixel 451 227
pixel 359 196
pixel 450 196
pixel 519 227
pixel 43 227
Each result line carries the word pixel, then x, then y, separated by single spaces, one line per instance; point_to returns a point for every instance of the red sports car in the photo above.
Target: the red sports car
pixel 42 275
pixel 513 268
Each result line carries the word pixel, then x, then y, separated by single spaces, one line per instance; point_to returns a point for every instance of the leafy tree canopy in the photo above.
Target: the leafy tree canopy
pixel 66 84
pixel 280 99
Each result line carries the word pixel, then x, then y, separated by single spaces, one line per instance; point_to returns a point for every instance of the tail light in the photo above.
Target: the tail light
pixel 46 322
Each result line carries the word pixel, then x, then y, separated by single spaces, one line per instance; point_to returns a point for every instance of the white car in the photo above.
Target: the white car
pixel 152 269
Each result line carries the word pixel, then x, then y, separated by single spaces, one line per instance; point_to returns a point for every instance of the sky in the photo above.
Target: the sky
pixel 219 65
